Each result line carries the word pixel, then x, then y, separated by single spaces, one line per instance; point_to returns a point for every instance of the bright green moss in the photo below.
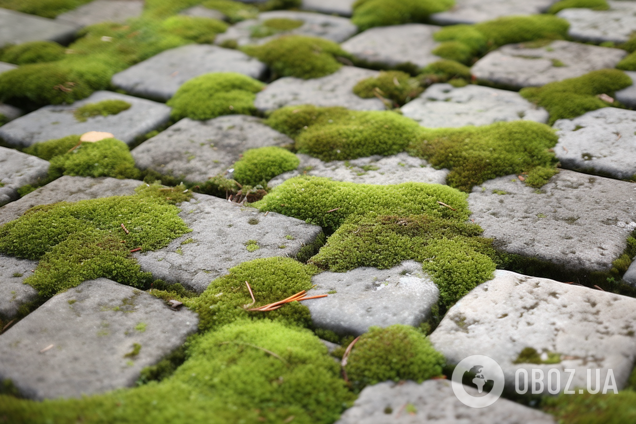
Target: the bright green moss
pixel 454 50
pixel 586 408
pixel 334 133
pixel 398 352
pixel 396 86
pixel 103 108
pixel 443 71
pixel 44 8
pixel 258 166
pixel 275 26
pixel 628 63
pixel 468 35
pixel 234 10
pixel 194 28
pixel 211 95
pixel 80 241
pixel 587 4
pixel 477 154
pixel 299 56
pixel 33 52
pixel 573 97
pixel 373 13
pixel 49 149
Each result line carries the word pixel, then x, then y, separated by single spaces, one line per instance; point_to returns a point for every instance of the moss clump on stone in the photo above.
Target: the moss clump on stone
pixel 398 352
pixel 258 166
pixel 477 154
pixel 33 52
pixel 585 408
pixel 445 71
pixel 573 97
pixel 373 13
pixel 275 26
pixel 399 87
pixel 44 8
pixel 454 50
pixel 215 94
pixel 529 355
pixel 235 11
pixel 334 133
pixel 628 63
pixel 299 56
pixel 194 28
pixel 103 108
pixel 80 241
pixel 49 149
pixel 570 4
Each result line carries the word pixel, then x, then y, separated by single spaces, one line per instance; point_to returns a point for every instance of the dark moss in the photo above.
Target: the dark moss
pixel 585 408
pixel 33 52
pixel 44 8
pixel 628 63
pixel 373 13
pixel 587 4
pixel 258 166
pixel 445 71
pixel 103 108
pixel 530 355
pixel 398 87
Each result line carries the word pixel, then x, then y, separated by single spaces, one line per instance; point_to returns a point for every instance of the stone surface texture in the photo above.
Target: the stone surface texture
pixel 473 11
pixel 161 76
pixel 13 293
pixel 602 141
pixel 627 96
pixel 333 90
pixel 395 45
pixel 577 221
pixel 204 12
pixel 57 121
pixel 630 275
pixel 18 28
pixel 16 170
pixel 338 7
pixel 587 328
pixel 198 150
pixel 597 26
pixel 80 341
pixel 366 297
pixel 101 11
pixel 444 106
pixel 220 233
pixel 433 402
pixel 518 66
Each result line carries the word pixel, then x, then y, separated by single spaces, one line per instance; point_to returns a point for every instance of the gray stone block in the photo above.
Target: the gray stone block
pixel 338 7
pixel 68 189
pixel 18 28
pixel 16 170
pixel 161 76
pixel 204 12
pixel 582 329
pixel 220 233
pixel 473 11
pixel 13 293
pixel 576 221
pixel 630 275
pixel 82 341
pixel 366 297
pixel 333 90
pixel 627 96
pixel 198 150
pixel 103 11
pixel 395 45
pixel 53 122
pixel 10 112
pixel 517 66
pixel 397 169
pixel 597 26
pixel 433 402
pixel 4 67
pixel 602 141
pixel 332 28
pixel 444 106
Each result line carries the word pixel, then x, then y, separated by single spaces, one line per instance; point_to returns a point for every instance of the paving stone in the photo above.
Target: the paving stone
pixel 382 170
pixel 395 45
pixel 198 150
pixel 627 96
pixel 444 106
pixel 338 7
pixel 473 11
pixel 103 11
pixel 332 28
pixel 597 26
pixel 18 169
pixel 433 402
pixel 630 275
pixel 602 141
pixel 366 297
pixel 57 121
pixel 68 189
pixel 9 112
pixel 161 76
pixel 13 293
pixel 576 221
pixel 18 28
pixel 220 232
pixel 588 329
pixel 518 66
pixel 333 90
pixel 4 67
pixel 204 12
pixel 90 332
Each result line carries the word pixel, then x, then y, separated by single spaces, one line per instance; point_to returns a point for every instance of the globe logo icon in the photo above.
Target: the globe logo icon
pixel 481 372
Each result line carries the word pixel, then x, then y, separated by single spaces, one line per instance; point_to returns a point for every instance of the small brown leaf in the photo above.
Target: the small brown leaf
pixel 94 136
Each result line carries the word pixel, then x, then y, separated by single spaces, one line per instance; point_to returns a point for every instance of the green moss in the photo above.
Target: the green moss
pixel 234 10
pixel 454 50
pixel 275 26
pixel 49 149
pixel 628 63
pixel 44 8
pixel 194 28
pixel 141 327
pixel 103 108
pixel 587 4
pixel 3 119
pixel 134 352
pixel 573 97
pixel 529 355
pixel 215 94
pixel 33 52
pixel 398 352
pixel 334 133
pixel 299 56
pixel 586 408
pixel 373 13
pixel 467 35
pixel 399 87
pixel 445 71
pixel 80 241
pixel 258 166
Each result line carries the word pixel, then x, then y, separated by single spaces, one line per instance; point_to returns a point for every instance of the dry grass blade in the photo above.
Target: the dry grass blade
pixel 47 348
pixel 251 294
pixel 7 326
pixel 345 357
pixel 448 206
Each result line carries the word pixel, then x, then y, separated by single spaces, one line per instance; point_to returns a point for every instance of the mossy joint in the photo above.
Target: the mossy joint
pixel 103 108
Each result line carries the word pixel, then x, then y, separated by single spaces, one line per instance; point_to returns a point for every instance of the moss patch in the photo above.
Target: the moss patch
pixel 573 97
pixel 103 108
pixel 44 8
pixel 530 355
pixel 194 28
pixel 445 71
pixel 373 13
pixel 258 166
pixel 215 94
pixel 398 352
pixel 587 408
pixel 628 63
pixel 33 52
pixel 275 26
pixel 235 11
pixel 587 4
pixel 299 56
pixel 399 87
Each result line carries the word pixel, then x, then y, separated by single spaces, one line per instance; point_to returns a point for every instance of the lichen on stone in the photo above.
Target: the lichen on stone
pixel 103 108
